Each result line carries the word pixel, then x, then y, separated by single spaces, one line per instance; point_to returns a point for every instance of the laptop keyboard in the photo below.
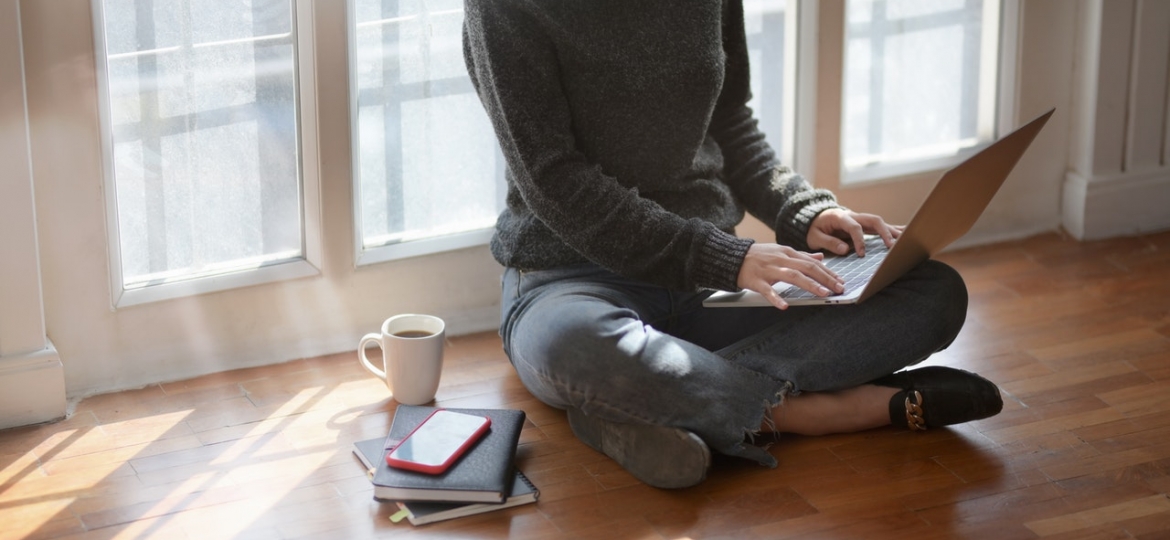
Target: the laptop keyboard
pixel 854 270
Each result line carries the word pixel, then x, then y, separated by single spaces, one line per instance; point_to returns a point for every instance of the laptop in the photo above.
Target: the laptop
pixel 949 211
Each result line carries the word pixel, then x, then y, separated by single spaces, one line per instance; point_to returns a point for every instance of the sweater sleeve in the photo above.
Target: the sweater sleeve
pixel 515 70
pixel 771 192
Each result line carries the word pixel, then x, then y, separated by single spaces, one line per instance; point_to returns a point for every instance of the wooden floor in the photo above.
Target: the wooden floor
pixel 1076 334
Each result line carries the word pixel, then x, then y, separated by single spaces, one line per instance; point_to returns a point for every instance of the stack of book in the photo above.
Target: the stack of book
pixel 482 480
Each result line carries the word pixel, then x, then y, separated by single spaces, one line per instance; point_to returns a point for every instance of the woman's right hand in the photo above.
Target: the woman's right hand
pixel 768 264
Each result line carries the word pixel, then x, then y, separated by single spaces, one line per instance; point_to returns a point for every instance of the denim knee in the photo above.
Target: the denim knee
pixel 948 292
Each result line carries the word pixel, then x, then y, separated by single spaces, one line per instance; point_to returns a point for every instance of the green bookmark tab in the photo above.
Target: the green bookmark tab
pixel 400 515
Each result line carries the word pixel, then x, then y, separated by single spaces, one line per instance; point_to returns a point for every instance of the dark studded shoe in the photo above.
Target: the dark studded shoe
pixel 660 456
pixel 938 396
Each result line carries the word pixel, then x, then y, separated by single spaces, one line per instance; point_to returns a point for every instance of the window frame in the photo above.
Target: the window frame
pixel 307 264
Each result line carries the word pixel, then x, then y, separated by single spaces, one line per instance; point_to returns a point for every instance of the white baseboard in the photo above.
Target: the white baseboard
pixel 32 388
pixel 472 321
pixel 460 323
pixel 1117 205
pixel 982 238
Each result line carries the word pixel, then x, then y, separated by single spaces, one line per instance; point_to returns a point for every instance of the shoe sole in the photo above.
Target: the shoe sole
pixel 662 457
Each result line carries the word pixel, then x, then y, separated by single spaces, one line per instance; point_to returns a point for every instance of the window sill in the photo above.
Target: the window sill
pixel 417 248
pixel 243 277
pixel 890 172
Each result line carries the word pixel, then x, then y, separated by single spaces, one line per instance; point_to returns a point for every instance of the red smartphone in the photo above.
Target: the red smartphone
pixel 438 441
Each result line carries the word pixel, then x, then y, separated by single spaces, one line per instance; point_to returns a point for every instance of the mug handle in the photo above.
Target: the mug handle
pixel 362 354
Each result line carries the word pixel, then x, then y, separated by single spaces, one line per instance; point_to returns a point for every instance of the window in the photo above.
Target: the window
pixel 428 173
pixel 210 127
pixel 919 81
pixel 767 29
pixel 202 143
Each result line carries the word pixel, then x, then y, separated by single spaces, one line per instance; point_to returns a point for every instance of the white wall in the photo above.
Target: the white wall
pixel 32 387
pixel 104 349
pixel 1118 181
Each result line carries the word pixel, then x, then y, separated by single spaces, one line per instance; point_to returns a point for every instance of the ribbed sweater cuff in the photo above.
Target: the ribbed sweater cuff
pixel 719 261
pixel 797 216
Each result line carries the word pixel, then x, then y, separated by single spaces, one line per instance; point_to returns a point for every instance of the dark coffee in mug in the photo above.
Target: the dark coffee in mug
pixel 411 362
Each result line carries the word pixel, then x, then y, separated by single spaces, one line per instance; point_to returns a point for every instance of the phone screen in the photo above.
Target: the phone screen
pixel 440 436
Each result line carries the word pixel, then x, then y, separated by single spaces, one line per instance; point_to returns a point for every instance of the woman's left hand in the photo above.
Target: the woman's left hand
pixel 831 229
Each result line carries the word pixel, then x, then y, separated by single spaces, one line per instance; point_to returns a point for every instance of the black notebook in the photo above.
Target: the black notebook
pixel 423 512
pixel 483 474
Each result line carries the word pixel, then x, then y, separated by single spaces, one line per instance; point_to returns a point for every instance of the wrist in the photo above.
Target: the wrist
pixel 720 259
pixel 795 221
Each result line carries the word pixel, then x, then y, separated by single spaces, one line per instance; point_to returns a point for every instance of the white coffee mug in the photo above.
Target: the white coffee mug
pixel 412 356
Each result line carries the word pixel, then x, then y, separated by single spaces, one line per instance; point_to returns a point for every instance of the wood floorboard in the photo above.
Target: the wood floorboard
pixel 1076 334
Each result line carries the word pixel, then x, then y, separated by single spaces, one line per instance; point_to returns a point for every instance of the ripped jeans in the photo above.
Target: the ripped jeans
pixel 626 351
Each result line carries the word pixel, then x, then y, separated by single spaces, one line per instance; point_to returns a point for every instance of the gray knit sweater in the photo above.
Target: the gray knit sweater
pixel 628 138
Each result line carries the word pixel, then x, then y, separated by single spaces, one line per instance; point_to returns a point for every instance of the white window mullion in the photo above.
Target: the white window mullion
pixel 1008 70
pixel 310 164
pixel 989 66
pixel 801 92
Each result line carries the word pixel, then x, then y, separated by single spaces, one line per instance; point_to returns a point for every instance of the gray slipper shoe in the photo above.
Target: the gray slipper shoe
pixel 660 456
